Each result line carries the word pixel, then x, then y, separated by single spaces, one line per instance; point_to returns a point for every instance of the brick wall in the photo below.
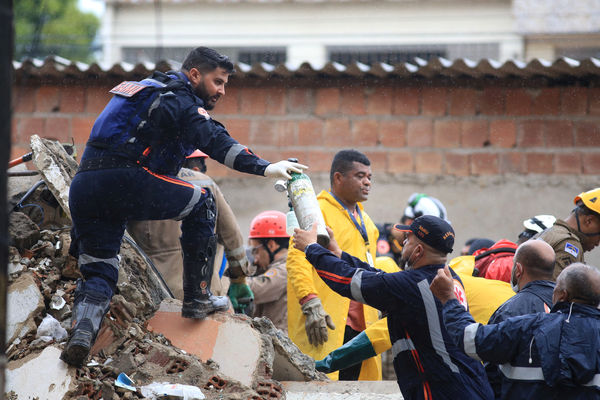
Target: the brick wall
pixel 470 130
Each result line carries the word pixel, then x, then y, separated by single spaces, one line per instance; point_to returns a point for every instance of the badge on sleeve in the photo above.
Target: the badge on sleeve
pixel 461 295
pixel 127 88
pixel 203 112
pixel 571 249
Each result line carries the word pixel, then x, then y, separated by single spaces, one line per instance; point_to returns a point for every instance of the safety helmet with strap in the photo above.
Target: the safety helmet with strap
pixel 269 225
pixel 591 199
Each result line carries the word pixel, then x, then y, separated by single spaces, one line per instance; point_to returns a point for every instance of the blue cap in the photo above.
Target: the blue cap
pixel 431 230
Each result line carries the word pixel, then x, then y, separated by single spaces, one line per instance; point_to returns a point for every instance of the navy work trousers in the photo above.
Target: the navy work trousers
pixel 102 201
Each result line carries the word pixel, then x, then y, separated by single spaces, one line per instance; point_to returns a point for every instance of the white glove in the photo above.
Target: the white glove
pixel 317 322
pixel 281 169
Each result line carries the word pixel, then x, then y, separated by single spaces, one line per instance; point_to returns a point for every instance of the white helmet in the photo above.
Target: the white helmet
pixel 422 204
pixel 539 223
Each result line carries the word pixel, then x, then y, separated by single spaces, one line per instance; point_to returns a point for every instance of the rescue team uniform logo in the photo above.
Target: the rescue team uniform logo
pixel 127 88
pixel 571 249
pixel 203 112
pixel 461 295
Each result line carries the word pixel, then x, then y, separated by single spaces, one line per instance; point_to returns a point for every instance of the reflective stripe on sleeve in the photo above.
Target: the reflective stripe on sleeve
pixel 191 204
pixel 355 286
pixel 433 322
pixel 401 345
pixel 469 341
pixel 522 373
pixel 594 382
pixel 87 259
pixel 232 154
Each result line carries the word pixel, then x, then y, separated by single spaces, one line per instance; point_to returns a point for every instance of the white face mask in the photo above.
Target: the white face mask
pixel 408 265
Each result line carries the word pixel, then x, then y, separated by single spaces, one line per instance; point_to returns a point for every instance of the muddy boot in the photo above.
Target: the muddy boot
pixel 198 301
pixel 89 309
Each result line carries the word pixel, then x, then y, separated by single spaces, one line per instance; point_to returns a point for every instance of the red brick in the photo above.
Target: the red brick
pixel 474 133
pixel 81 128
pixel 484 164
pixel 337 131
pixel 518 102
pixel 457 164
pixel 28 126
pixel 378 160
pixel 47 99
pixel 512 163
pixel 406 101
pixel 276 101
pixel 531 133
pixel 392 133
pixel 547 102
pixel 327 101
pixel 587 134
pixel 300 101
pixel 428 162
pixel 434 101
pixel 253 101
pixel 463 101
pixel 228 104
pixel 286 132
pixel 568 163
pixel 540 163
pixel 559 133
pixel 263 132
pixel 96 98
pixel 320 161
pixel 58 128
pixel 365 132
pixel 591 163
pixel 594 97
pixel 493 101
pixel 301 155
pixel 353 101
pixel 574 101
pixel 446 133
pixel 238 128
pixel 400 162
pixel 23 100
pixel 72 99
pixel 503 133
pixel 419 133
pixel 310 132
pixel 380 100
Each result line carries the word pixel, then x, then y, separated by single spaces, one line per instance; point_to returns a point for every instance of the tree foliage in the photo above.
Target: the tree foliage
pixel 53 27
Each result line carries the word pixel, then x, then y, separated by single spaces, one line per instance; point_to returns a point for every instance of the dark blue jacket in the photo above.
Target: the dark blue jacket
pixel 541 356
pixel 159 121
pixel 428 364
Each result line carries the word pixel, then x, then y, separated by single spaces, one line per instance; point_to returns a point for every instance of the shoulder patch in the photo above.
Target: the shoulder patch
pixel 203 112
pixel 128 88
pixel 459 292
pixel 572 249
pixel 271 273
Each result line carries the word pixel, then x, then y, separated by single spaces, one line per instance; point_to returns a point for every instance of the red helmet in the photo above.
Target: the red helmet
pixel 268 224
pixel 197 153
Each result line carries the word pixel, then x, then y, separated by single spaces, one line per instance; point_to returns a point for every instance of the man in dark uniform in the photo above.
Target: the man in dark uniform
pixel 128 171
pixel 578 233
pixel 427 363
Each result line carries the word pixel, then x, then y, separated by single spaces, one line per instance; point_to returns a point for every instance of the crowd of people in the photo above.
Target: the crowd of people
pixel 503 320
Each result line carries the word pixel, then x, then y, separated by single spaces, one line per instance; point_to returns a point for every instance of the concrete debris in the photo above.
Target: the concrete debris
pixel 24 304
pixel 23 232
pixel 342 390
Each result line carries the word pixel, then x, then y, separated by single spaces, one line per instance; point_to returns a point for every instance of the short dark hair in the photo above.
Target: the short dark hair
pixel 582 209
pixel 283 242
pixel 205 59
pixel 342 162
pixel 580 284
pixel 195 162
pixel 537 264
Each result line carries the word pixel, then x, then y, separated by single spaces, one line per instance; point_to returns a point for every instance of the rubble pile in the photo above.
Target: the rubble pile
pixel 226 356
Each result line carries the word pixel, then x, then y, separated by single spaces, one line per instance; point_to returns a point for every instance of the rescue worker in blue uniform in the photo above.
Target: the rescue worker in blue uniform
pixel 128 172
pixel 541 356
pixel 427 363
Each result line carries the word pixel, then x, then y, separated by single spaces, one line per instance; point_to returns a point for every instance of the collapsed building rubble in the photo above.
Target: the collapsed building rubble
pixel 143 337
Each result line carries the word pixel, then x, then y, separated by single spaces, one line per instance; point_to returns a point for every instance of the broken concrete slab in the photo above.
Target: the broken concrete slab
pixel 22 231
pixel 41 376
pixel 25 301
pixel 342 390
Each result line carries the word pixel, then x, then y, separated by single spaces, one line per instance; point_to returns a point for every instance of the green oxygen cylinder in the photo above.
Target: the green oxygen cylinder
pixel 305 205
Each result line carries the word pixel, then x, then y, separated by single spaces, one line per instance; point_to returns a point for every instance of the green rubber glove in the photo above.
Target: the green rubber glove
pixel 241 296
pixel 350 353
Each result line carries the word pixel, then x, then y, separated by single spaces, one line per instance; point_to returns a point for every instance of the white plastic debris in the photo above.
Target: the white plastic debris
pixel 160 390
pixel 51 327
pixel 123 382
pixel 57 302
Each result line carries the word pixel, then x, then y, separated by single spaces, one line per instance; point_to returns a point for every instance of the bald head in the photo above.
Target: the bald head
pixel 537 258
pixel 578 283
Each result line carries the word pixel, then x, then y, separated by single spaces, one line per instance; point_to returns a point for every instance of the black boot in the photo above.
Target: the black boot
pixel 198 301
pixel 89 309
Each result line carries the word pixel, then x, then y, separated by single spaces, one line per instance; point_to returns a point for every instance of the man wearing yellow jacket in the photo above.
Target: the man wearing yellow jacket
pixel 484 296
pixel 320 320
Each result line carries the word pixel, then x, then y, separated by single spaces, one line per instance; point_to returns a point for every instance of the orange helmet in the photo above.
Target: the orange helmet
pixel 197 153
pixel 268 224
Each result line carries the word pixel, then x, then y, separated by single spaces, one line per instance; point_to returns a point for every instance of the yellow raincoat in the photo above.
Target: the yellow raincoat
pixel 303 280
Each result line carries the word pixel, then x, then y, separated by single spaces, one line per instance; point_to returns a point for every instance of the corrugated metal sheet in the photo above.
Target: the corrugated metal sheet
pixel 54 68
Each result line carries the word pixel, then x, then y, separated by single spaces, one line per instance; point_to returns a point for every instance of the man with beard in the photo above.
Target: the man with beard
pixel 427 362
pixel 128 172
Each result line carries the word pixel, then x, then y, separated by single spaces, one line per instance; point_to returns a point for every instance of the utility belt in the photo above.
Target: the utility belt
pixel 107 162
